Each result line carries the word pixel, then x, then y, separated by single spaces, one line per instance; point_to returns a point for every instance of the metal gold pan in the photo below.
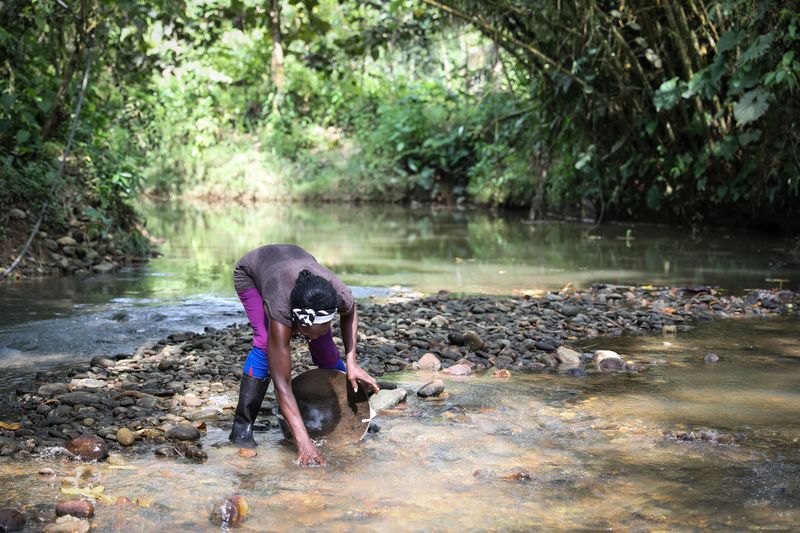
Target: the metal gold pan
pixel 329 407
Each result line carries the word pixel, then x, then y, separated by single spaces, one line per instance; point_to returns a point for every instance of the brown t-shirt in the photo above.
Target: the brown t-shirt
pixel 273 270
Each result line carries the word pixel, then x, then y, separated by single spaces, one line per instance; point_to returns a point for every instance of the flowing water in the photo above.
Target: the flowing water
pixel 598 452
pixel 685 446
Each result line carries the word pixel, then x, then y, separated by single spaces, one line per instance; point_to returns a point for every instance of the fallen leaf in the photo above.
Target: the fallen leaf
pixel 13 426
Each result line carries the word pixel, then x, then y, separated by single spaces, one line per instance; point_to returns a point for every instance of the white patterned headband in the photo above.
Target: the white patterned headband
pixel 308 317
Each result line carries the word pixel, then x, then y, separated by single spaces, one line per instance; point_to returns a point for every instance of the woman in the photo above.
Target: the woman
pixel 285 291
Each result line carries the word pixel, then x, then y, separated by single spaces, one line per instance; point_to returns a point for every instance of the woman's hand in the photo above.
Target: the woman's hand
pixel 309 455
pixel 355 373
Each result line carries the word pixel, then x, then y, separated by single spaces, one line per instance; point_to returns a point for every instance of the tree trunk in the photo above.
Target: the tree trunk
pixel 278 75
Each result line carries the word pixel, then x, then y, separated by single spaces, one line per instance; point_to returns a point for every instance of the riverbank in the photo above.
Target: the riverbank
pixel 166 393
pixel 78 244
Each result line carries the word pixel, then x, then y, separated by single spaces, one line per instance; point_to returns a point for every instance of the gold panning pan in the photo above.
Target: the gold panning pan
pixel 329 407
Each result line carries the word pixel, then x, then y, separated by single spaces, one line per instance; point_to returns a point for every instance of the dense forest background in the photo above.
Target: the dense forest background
pixel 680 112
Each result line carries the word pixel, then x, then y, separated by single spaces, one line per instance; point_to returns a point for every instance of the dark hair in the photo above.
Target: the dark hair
pixel 313 292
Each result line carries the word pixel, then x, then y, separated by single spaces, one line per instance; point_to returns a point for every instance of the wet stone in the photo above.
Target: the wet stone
pixel 195 453
pixel 473 341
pixel 167 451
pixel 386 399
pixel 68 524
pixel 11 520
pixel 711 358
pixel 76 508
pixel 503 361
pixel 432 388
pixel 568 356
pixel 102 362
pixel 429 361
pixel 230 511
pixel 183 432
pixel 247 452
pixel 53 389
pixel 88 448
pixel 576 372
pixel 609 361
pixel 458 370
pixel 125 437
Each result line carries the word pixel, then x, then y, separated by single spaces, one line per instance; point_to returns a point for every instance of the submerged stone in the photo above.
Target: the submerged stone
pixel 76 508
pixel 432 388
pixel 11 520
pixel 231 511
pixel 711 358
pixel 609 361
pixel 68 524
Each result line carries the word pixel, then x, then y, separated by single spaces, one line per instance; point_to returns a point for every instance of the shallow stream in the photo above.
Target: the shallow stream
pixel 685 446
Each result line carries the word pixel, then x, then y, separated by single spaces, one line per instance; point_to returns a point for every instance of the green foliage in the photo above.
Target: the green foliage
pixel 657 112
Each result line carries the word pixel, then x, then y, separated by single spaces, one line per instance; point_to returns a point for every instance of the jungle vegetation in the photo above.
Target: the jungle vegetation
pixel 682 112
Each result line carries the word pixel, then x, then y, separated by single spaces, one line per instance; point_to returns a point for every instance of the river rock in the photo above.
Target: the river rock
pixel 503 361
pixel 125 437
pixel 576 372
pixel 53 389
pixel 711 358
pixel 440 322
pixel 183 432
pixel 608 361
pixel 195 453
pixel 429 362
pixel 191 400
pixel 79 398
pixel 76 508
pixel 17 213
pixel 250 452
pixel 102 362
pixel 167 451
pixel 88 448
pixel 432 388
pixel 568 356
pixel 231 511
pixel 66 241
pixel 89 383
pixel 456 339
pixel 68 524
pixel 167 364
pixel 386 399
pixel 11 520
pixel 458 370
pixel 473 341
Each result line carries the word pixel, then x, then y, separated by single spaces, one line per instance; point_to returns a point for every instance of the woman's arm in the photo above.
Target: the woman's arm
pixel 349 327
pixel 280 364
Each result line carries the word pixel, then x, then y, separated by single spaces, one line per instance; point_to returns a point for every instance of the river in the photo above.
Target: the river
pixel 687 446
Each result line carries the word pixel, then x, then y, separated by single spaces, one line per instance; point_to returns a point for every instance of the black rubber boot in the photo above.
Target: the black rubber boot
pixel 251 394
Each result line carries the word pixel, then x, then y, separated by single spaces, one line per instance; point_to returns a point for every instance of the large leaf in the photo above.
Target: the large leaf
pixel 756 50
pixel 667 95
pixel 751 106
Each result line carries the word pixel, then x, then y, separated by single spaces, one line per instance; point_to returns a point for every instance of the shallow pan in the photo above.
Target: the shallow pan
pixel 329 407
